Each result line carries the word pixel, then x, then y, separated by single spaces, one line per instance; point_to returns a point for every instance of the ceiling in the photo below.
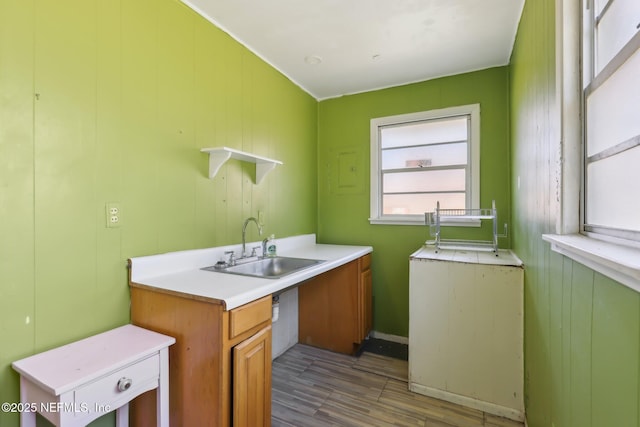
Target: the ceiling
pixel 335 47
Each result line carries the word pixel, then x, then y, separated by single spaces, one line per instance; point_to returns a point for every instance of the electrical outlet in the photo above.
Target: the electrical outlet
pixel 113 215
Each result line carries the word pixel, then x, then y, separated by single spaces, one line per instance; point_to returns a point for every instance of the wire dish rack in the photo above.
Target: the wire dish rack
pixel 450 216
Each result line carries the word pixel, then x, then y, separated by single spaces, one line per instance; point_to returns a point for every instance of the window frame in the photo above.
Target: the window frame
pixel 616 258
pixel 593 79
pixel 472 185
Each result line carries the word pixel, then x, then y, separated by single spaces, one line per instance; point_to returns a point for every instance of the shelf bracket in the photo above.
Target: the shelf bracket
pixel 216 160
pixel 262 169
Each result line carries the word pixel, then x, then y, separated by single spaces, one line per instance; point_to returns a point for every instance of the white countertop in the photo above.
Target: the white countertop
pixel 180 272
pixel 505 256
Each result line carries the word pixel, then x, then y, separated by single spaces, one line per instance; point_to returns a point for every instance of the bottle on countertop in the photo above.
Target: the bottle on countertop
pixel 271 246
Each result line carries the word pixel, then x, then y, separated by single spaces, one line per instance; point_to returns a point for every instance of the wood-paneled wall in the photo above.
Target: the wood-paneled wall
pixel 111 101
pixel 582 330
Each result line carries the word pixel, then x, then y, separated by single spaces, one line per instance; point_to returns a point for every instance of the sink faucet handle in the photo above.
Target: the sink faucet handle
pixel 232 257
pixel 253 250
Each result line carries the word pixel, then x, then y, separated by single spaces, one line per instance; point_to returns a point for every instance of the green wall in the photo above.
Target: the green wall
pixel 127 94
pixel 582 330
pixel 110 101
pixel 343 194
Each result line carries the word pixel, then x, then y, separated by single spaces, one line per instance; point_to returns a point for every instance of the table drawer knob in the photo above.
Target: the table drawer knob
pixel 124 384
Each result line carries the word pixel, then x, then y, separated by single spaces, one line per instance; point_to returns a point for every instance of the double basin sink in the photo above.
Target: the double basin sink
pixel 268 268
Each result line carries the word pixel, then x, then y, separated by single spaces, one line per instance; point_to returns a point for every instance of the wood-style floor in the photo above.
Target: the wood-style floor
pixel 313 387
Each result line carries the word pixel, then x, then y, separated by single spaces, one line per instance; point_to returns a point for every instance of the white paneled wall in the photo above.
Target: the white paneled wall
pixel 285 329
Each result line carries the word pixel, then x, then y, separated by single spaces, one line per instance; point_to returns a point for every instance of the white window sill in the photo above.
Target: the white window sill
pixel 619 262
pixel 419 220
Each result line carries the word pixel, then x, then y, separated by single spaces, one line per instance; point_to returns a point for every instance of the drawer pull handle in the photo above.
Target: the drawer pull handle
pixel 124 384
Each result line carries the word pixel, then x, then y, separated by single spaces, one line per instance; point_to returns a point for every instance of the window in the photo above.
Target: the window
pixel 605 234
pixel 421 158
pixel 612 118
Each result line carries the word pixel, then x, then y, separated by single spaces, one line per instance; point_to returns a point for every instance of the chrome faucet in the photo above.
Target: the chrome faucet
pixel 244 230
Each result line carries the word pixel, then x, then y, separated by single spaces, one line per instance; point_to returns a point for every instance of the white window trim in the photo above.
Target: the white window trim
pixel 614 258
pixel 376 216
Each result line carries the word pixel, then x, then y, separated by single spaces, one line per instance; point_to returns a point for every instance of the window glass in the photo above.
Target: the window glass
pixel 615 27
pixel 426 132
pixel 441 181
pixel 612 109
pixel 612 191
pixel 406 204
pixel 425 156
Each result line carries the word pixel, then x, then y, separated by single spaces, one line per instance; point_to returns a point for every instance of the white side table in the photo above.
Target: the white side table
pixel 74 384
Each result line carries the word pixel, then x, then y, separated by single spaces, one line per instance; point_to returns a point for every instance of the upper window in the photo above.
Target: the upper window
pixel 609 212
pixel 423 158
pixel 612 118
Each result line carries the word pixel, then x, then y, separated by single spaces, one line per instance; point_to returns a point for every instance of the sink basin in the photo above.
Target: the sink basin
pixel 269 268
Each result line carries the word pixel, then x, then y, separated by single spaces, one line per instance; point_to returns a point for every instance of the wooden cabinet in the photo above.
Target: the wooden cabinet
pixel 252 380
pixel 334 308
pixel 220 365
pixel 466 329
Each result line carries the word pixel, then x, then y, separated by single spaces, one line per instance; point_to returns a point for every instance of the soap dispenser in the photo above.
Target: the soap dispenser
pixel 271 246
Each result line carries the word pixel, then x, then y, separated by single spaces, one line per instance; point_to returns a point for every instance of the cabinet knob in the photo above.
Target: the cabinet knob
pixel 124 384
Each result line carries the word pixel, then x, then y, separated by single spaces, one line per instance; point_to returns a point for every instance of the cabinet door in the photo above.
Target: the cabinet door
pixel 366 299
pixel 252 381
pixel 328 310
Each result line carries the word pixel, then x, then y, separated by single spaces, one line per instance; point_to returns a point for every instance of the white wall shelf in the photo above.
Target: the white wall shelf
pixel 219 155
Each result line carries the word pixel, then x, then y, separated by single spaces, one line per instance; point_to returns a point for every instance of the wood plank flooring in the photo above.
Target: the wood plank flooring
pixel 382 365
pixel 318 388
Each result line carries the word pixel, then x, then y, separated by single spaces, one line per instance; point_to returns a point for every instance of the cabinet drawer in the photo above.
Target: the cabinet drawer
pixel 248 316
pixel 365 262
pixel 144 375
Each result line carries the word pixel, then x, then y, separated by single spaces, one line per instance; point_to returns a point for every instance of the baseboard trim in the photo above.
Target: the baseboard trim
pixel 388 337
pixel 492 408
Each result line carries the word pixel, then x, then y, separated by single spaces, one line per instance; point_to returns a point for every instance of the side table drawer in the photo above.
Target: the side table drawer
pixel 141 376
